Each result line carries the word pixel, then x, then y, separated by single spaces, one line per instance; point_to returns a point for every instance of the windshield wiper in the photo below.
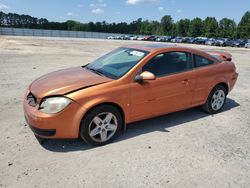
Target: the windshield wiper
pixel 95 71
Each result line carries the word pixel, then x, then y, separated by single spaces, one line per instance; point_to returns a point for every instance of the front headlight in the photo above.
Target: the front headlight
pixel 53 105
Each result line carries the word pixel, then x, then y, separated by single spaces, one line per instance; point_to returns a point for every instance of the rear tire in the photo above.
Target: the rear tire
pixel 216 100
pixel 101 125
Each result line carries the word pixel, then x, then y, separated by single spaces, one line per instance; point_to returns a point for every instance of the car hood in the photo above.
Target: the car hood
pixel 65 81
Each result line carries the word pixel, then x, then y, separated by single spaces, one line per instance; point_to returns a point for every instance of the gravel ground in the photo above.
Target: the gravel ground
pixel 183 149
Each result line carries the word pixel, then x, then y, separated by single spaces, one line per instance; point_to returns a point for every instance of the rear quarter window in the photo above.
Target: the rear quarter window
pixel 202 61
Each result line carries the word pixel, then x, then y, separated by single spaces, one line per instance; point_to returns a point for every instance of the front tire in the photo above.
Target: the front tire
pixel 216 100
pixel 101 125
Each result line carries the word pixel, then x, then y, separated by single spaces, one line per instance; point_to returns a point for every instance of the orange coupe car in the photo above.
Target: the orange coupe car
pixel 129 84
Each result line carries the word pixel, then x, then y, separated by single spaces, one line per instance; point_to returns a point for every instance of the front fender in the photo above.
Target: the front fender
pixel 94 96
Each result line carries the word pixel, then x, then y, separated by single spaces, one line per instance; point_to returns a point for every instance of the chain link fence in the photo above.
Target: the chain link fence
pixel 53 33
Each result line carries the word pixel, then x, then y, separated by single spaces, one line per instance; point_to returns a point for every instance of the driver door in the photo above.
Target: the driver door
pixel 171 91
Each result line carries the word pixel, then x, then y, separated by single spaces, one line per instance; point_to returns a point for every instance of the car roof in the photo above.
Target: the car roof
pixel 158 47
pixel 151 47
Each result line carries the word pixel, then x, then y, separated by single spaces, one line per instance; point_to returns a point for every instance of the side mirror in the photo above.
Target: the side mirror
pixel 144 76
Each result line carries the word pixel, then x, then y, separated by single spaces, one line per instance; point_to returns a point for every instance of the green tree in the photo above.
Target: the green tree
pixel 143 28
pixel 182 27
pixel 71 25
pixel 158 29
pixel 243 30
pixel 167 24
pixel 173 31
pixel 196 28
pixel 91 26
pixel 155 28
pixel 210 27
pixel 227 28
pixel 136 26
pixel 104 26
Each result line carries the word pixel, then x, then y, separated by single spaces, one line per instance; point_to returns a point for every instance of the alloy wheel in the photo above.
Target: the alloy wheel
pixel 218 100
pixel 103 127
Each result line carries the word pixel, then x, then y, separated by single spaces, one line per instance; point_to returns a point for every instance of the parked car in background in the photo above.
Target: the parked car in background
pixel 235 43
pixel 95 101
pixel 110 37
pixel 129 36
pixel 220 42
pixel 133 37
pixel 118 37
pixel 124 37
pixel 140 38
pixel 149 38
pixel 174 39
pixel 200 40
pixel 190 40
pixel 163 39
pixel 240 43
pixel 181 40
pixel 210 42
pixel 168 38
pixel 229 42
pixel 185 39
pixel 247 45
pixel 178 39
pixel 160 39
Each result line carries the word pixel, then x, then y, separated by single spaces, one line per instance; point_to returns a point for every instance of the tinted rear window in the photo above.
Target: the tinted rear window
pixel 202 61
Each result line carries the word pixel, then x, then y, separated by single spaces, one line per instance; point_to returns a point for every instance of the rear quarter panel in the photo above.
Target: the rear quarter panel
pixel 208 77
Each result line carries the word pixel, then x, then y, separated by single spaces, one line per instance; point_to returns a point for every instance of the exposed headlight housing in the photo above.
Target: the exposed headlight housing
pixel 52 105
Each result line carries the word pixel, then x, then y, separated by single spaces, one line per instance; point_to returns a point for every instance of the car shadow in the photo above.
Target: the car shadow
pixel 161 123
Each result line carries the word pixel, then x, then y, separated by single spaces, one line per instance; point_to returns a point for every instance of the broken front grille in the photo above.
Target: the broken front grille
pixel 31 100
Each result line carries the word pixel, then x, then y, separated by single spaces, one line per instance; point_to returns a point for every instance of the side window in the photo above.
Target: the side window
pixel 169 63
pixel 202 61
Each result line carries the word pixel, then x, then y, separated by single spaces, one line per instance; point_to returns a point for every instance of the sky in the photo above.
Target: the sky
pixel 126 10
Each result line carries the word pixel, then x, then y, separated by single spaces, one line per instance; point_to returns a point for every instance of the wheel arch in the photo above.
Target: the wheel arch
pixel 225 85
pixel 221 82
pixel 115 105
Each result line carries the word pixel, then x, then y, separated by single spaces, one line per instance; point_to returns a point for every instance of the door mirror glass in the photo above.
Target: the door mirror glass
pixel 144 76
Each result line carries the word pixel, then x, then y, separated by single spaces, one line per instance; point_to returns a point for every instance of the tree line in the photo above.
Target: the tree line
pixel 209 27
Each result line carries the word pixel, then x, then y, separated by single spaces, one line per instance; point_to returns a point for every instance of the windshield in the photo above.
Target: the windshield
pixel 117 63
